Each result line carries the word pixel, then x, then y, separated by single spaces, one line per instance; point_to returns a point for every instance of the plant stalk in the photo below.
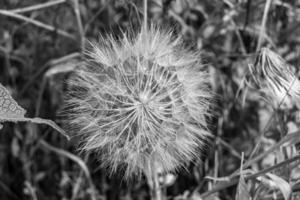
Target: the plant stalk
pixel 153 182
pixel 156 190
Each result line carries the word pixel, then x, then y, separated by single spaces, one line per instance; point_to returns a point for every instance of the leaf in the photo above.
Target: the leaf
pixel 242 190
pixel 273 181
pixel 281 184
pixel 9 108
pixel 10 111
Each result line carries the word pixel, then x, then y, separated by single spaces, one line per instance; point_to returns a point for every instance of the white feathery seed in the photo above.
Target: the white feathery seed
pixel 276 79
pixel 141 102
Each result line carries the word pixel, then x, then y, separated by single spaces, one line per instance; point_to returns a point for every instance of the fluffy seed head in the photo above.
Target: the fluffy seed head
pixel 276 78
pixel 141 102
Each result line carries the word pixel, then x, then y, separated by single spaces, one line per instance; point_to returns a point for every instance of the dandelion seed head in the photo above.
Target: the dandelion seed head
pixel 276 79
pixel 141 102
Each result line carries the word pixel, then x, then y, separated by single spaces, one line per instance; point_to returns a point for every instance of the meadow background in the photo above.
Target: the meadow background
pixel 41 44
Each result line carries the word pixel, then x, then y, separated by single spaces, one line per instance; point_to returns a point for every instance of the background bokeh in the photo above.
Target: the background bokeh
pixel 39 48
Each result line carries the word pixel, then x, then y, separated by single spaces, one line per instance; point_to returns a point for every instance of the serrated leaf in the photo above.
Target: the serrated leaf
pixel 10 111
pixel 9 108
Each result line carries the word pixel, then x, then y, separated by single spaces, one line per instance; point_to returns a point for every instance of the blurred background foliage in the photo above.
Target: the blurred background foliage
pixel 39 48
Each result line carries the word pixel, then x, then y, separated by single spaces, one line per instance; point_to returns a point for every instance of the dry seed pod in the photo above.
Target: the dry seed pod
pixel 140 102
pixel 276 79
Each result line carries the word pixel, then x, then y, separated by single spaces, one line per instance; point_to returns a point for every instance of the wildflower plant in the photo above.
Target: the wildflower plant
pixel 140 102
pixel 276 79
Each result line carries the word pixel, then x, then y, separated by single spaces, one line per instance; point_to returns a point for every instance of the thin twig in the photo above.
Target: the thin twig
pixel 137 11
pixel 43 68
pixel 239 36
pixel 145 14
pixel 92 19
pixel 74 158
pixel 242 162
pixel 290 137
pixel 263 24
pixel 40 97
pixel 36 120
pixel 77 184
pixel 229 147
pixel 261 135
pixel 184 25
pixel 38 6
pixel 216 163
pixel 252 176
pixel 36 23
pixel 248 10
pixel 79 23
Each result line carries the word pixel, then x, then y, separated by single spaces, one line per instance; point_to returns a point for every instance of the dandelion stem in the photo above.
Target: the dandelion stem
pixel 156 193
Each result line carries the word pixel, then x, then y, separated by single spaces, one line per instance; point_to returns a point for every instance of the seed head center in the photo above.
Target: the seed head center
pixel 144 98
